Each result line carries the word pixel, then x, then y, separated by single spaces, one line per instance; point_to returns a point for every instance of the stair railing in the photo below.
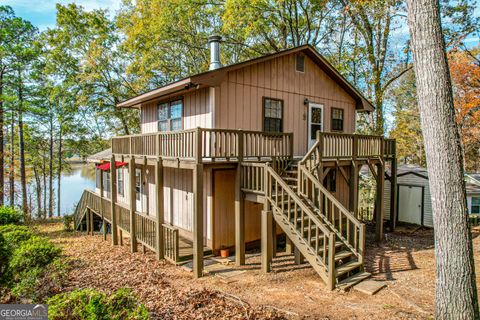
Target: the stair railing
pixel 348 228
pixel 80 209
pixel 319 241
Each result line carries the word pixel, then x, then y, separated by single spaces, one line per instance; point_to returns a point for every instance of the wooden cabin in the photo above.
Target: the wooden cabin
pixel 238 155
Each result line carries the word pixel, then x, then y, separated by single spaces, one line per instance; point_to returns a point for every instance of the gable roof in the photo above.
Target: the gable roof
pixel 209 78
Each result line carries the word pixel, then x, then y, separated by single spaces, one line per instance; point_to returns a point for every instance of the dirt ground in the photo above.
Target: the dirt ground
pixel 405 261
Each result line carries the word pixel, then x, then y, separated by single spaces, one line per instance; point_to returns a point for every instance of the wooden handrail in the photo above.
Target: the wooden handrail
pixel 171 243
pixel 331 211
pixel 206 143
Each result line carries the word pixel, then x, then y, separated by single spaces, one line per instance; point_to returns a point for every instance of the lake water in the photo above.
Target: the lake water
pixel 81 177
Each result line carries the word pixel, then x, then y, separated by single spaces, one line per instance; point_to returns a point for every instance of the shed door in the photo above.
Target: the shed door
pixel 224 208
pixel 410 204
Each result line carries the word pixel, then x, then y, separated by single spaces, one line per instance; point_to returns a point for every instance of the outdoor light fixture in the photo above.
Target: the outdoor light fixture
pixel 306 101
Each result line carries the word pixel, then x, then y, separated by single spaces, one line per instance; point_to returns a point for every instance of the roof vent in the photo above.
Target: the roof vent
pixel 214 42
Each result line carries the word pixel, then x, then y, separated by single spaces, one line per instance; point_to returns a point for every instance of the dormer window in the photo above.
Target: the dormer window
pixel 170 115
pixel 300 63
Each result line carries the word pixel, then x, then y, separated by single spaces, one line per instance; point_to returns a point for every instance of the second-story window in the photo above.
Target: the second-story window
pixel 272 115
pixel 337 119
pixel 170 115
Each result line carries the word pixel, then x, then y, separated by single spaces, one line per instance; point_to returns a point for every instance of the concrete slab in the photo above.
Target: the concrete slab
pixel 189 265
pixel 230 273
pixel 370 287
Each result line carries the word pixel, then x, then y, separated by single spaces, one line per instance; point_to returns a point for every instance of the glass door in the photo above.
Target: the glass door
pixel 315 122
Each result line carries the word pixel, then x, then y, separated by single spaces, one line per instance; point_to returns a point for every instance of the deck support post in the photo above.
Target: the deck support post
pixel 159 208
pixel 298 256
pixel 274 238
pixel 266 240
pixel 113 200
pixel 198 221
pixel 87 221
pixel 120 237
pixel 288 245
pixel 91 222
pixel 239 220
pixel 353 189
pixel 132 176
pixel 102 209
pixel 393 194
pixel 379 207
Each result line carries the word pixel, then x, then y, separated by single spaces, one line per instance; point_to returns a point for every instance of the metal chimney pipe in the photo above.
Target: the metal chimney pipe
pixel 214 42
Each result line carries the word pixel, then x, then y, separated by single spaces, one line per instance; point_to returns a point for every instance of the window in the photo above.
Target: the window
pixel 475 205
pixel 272 115
pixel 97 178
pixel 331 180
pixel 170 115
pixel 300 63
pixel 337 119
pixel 106 179
pixel 120 188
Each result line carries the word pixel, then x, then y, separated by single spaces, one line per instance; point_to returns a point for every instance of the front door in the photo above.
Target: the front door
pixel 315 122
pixel 138 190
pixel 410 204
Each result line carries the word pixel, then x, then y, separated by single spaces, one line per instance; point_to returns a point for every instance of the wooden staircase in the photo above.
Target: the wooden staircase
pixel 329 237
pixel 80 211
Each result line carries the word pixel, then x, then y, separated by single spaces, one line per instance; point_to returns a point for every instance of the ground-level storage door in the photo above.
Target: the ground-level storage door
pixel 224 208
pixel 410 204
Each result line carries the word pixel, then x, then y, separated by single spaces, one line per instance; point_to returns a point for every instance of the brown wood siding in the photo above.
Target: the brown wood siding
pixel 196 111
pixel 241 92
pixel 178 200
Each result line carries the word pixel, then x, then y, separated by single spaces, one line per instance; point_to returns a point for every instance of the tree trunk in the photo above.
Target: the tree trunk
pixel 50 171
pixel 456 293
pixel 44 171
pixel 23 176
pixel 2 139
pixel 38 190
pixel 59 171
pixel 12 161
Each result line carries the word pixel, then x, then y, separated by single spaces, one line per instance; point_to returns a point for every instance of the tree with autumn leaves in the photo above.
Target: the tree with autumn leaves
pixel 465 72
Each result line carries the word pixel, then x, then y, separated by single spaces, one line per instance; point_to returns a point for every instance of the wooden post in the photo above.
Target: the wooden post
pixel 113 200
pixel 198 221
pixel 331 262
pixel 393 194
pixel 133 200
pixel 239 219
pixel 379 207
pixel 87 221
pixel 120 237
pixel 102 209
pixel 266 240
pixel 288 245
pixel 91 222
pixel 159 208
pixel 353 189
pixel 298 257
pixel 274 238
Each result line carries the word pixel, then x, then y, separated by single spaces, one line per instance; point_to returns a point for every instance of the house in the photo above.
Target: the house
pixel 238 155
pixel 414 199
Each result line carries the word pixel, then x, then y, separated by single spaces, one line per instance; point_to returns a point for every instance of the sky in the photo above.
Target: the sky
pixel 41 13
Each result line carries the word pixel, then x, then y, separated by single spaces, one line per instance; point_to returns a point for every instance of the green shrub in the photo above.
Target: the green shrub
pixel 38 284
pixel 10 215
pixel 92 304
pixel 68 222
pixel 3 256
pixel 15 235
pixel 36 252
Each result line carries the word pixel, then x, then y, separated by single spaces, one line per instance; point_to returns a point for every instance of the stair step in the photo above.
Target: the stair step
pixel 293 179
pixel 349 266
pixel 343 255
pixel 353 280
pixel 291 171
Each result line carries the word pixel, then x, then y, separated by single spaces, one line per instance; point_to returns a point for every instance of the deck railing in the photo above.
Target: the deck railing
pixel 344 146
pixel 171 243
pixel 145 230
pixel 145 226
pixel 206 144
